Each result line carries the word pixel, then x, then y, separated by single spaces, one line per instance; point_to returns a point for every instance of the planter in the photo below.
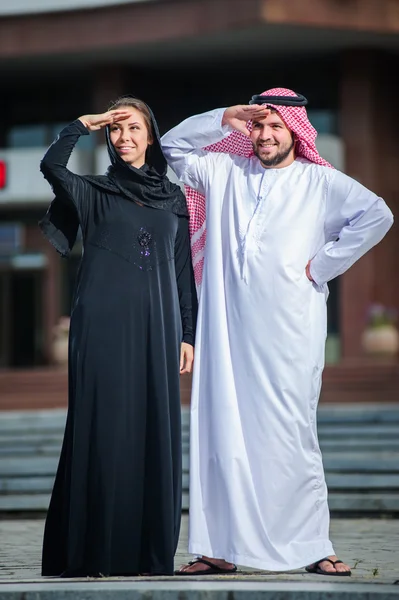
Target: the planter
pixel 60 351
pixel 383 340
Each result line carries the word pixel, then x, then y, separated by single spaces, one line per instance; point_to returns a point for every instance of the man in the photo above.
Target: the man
pixel 279 224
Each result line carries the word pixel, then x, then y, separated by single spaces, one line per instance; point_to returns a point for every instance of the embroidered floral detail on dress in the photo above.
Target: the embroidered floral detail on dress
pixel 144 237
pixel 139 247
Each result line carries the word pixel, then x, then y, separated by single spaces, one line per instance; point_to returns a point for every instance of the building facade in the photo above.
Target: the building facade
pixel 62 59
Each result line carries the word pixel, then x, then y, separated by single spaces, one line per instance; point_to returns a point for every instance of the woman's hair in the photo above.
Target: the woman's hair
pixel 131 102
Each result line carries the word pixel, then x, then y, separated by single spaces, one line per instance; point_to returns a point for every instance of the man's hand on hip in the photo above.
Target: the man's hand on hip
pixel 308 275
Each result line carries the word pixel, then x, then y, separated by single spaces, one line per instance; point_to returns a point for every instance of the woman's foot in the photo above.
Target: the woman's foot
pixel 196 567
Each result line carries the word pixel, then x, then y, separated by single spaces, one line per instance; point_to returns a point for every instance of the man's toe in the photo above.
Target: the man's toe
pixel 327 566
pixel 341 567
pixel 184 568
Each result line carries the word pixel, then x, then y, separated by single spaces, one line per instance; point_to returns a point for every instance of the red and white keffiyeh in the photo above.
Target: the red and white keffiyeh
pixel 296 119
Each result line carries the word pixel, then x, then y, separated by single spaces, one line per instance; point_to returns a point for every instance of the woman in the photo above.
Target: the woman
pixel 116 503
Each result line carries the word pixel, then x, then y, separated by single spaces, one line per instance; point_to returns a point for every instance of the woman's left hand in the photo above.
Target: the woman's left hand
pixel 95 122
pixel 186 358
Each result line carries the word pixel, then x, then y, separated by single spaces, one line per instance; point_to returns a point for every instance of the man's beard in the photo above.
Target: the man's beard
pixel 276 160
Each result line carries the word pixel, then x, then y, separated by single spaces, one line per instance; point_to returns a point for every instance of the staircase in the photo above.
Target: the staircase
pixel 360 445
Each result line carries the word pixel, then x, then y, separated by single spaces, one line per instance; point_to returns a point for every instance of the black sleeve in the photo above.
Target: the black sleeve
pixel 185 282
pixel 67 186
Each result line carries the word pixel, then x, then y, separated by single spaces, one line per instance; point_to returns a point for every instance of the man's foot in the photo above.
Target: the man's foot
pixel 198 567
pixel 329 566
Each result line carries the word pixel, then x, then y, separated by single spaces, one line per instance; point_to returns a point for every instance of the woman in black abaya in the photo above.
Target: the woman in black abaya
pixel 116 503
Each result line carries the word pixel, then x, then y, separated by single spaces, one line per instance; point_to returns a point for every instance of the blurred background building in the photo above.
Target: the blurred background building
pixel 60 59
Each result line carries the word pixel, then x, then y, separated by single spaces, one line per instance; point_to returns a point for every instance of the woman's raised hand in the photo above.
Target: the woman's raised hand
pixel 95 122
pixel 238 116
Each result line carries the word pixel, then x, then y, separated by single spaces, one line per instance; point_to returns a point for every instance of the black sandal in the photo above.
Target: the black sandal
pixel 317 569
pixel 213 570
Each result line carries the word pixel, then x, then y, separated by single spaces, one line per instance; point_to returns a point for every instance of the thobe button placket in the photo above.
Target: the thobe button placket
pixel 261 218
pixel 256 224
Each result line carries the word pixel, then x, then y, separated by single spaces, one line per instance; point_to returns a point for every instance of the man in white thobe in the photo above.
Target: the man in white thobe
pixel 280 223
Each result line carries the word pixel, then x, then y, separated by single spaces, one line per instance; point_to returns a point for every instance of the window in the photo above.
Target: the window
pixel 85 142
pixel 10 239
pixel 27 136
pixel 324 121
pixel 41 136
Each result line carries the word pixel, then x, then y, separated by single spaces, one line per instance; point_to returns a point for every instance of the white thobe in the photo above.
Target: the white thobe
pixel 258 495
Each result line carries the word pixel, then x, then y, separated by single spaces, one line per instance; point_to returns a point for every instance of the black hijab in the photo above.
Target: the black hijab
pixel 148 185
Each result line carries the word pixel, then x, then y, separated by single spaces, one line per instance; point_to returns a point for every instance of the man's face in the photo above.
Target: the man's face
pixel 272 141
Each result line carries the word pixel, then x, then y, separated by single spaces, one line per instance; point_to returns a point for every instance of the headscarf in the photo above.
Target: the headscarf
pixel 148 185
pixel 296 119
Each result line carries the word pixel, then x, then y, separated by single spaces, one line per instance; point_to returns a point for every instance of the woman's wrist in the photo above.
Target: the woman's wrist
pixel 83 121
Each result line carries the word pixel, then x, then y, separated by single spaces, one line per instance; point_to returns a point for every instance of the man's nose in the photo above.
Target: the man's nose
pixel 265 135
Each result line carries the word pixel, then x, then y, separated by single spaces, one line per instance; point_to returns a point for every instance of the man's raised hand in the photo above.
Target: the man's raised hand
pixel 238 116
pixel 95 122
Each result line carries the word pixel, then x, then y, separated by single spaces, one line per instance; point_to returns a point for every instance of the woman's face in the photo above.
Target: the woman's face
pixel 130 137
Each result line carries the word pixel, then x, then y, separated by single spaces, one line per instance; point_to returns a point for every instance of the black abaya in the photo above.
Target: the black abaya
pixel 116 502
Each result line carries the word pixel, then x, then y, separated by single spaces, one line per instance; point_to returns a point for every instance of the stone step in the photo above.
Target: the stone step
pixel 363 445
pixel 384 502
pixel 30 438
pixel 368 431
pixel 373 462
pixel 24 502
pixel 40 420
pixel 35 484
pixel 29 450
pixel 376 462
pixel 343 414
pixel 11 428
pixel 40 502
pixel 30 465
pixel 25 431
pixel 26 485
pixel 51 445
pixel 224 589
pixel 361 462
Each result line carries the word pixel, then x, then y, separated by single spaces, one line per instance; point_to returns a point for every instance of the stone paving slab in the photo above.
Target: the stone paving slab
pixel 369 546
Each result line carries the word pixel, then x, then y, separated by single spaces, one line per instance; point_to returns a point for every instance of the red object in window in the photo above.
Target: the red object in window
pixel 3 174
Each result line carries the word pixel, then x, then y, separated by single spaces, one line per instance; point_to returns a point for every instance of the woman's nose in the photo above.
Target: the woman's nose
pixel 125 134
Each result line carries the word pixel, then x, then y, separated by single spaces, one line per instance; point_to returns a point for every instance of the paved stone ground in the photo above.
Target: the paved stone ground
pixel 370 546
